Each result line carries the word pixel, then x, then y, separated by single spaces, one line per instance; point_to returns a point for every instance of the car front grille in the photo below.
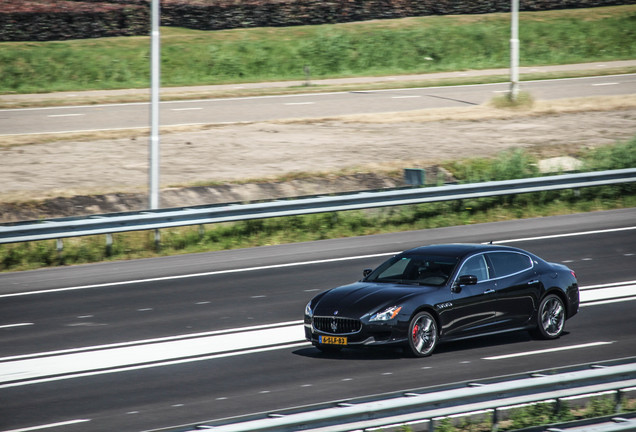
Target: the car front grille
pixel 337 325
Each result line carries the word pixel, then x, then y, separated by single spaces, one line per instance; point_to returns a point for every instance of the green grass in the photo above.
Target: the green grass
pixel 535 415
pixel 261 232
pixel 412 45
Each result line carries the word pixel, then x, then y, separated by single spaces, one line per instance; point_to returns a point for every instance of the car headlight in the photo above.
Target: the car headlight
pixel 308 310
pixel 386 314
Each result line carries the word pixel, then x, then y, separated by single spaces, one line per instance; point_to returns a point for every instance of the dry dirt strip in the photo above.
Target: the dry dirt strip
pixel 67 166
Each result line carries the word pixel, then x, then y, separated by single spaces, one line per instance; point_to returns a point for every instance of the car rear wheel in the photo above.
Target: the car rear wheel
pixel 423 334
pixel 550 318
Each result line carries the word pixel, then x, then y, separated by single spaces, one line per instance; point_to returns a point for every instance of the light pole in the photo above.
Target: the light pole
pixel 514 51
pixel 154 107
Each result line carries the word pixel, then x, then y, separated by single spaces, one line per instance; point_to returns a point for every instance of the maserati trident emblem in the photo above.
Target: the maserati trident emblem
pixel 334 325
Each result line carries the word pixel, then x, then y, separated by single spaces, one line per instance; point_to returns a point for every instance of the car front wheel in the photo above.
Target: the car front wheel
pixel 550 318
pixel 423 334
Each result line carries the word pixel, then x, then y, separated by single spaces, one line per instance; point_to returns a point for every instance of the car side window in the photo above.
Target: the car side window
pixel 509 263
pixel 476 266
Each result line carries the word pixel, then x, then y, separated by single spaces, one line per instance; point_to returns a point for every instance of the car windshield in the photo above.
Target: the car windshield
pixel 415 269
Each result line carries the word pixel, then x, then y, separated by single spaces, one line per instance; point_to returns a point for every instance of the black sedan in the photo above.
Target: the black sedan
pixel 441 293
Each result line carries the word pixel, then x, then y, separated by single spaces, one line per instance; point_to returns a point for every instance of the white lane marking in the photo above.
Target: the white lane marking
pixel 88 361
pixel 212 273
pixel 549 350
pixel 608 293
pixel 65 115
pixel 613 284
pixel 154 340
pixel 602 302
pixel 15 325
pixel 147 366
pixel 293 264
pixel 553 236
pixel 48 426
pixel 605 84
pixel 21 372
pixel 594 295
pixel 187 109
pixel 290 96
pixel 299 103
pixel 248 98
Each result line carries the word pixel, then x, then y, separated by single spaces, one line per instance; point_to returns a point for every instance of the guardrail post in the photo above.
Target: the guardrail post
pixel 109 244
pixel 59 245
pixel 619 401
pixel 157 239
pixel 495 420
pixel 431 425
pixel 201 232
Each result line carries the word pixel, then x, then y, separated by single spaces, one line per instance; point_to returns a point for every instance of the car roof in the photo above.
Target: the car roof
pixel 458 249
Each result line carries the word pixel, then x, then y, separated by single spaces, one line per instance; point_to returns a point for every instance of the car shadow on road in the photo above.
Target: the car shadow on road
pixel 488 343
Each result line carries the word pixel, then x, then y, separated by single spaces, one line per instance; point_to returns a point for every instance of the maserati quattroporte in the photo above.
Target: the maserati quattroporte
pixel 444 292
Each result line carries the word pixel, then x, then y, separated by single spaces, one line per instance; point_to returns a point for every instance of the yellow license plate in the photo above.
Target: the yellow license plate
pixel 333 340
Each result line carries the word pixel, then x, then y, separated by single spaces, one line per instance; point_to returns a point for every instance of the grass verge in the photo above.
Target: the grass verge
pixel 375 48
pixel 218 92
pixel 261 232
pixel 535 415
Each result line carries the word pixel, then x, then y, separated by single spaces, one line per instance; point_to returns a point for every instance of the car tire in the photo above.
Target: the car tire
pixel 550 318
pixel 423 334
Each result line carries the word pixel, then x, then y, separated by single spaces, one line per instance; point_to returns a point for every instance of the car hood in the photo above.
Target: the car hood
pixel 360 298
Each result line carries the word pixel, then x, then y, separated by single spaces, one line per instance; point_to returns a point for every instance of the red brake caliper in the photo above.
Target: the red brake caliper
pixel 416 328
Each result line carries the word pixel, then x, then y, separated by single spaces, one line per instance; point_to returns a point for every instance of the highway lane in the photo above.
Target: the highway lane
pixel 251 109
pixel 265 289
pixel 172 394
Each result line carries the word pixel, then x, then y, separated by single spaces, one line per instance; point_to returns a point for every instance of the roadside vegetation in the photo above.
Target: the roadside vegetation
pixel 381 47
pixel 540 414
pixel 508 165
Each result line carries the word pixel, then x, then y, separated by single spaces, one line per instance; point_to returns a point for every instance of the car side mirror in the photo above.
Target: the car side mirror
pixel 366 272
pixel 464 280
pixel 467 280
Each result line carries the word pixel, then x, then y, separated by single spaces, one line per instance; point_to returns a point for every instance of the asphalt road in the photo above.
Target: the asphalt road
pixel 145 344
pixel 251 109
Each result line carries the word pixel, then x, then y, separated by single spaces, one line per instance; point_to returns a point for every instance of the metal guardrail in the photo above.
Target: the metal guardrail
pixel 168 218
pixel 428 406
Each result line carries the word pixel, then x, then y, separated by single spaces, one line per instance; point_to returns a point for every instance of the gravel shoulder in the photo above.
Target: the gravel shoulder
pixel 241 162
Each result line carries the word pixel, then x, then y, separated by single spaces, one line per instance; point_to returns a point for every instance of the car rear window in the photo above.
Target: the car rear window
pixel 509 263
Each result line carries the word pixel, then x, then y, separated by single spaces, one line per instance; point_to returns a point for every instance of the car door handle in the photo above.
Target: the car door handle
pixel 532 282
pixel 490 291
